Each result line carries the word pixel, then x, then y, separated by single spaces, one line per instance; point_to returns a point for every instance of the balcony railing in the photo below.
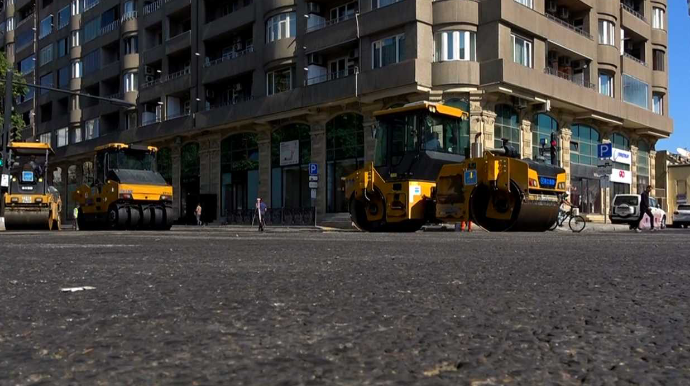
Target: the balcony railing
pixel 178 115
pixel 88 4
pixel 153 7
pixel 230 56
pixel 563 75
pixel 331 76
pixel 330 22
pixel 150 121
pixel 166 78
pixel 118 95
pixel 235 101
pixel 569 26
pixel 129 16
pixel 634 59
pixel 110 27
pixel 633 12
pixel 24 21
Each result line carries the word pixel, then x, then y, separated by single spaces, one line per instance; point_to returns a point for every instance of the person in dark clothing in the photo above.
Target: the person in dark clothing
pixel 645 209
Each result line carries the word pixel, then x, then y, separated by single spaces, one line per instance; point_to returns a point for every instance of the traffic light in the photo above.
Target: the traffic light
pixel 554 149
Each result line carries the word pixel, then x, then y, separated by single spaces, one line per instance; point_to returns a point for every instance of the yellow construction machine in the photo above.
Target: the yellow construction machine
pixel 30 203
pixel 500 192
pixel 127 192
pixel 396 192
pixel 425 171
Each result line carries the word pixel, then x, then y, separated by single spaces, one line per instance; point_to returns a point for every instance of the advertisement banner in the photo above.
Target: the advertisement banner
pixel 621 176
pixel 622 156
pixel 289 153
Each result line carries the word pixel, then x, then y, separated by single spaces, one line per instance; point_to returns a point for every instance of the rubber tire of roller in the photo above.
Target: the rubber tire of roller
pixel 134 217
pixel 145 217
pixel 169 218
pixel 158 218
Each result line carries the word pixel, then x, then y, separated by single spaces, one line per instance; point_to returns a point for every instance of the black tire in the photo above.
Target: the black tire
pixel 577 224
pixel 146 216
pixel 117 217
pixel 359 217
pixel 158 219
pixel 169 218
pixel 134 217
pixel 554 226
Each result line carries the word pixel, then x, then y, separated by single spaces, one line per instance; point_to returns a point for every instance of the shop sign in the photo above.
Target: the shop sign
pixel 622 156
pixel 621 176
pixel 289 153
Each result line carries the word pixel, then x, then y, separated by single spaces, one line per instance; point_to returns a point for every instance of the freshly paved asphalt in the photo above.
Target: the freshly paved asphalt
pixel 231 307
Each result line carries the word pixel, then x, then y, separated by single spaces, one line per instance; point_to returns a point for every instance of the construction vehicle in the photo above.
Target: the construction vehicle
pixel 500 192
pixel 418 177
pixel 395 193
pixel 127 192
pixel 30 203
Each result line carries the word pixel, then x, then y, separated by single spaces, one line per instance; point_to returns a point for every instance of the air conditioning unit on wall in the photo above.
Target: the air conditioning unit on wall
pixel 315 59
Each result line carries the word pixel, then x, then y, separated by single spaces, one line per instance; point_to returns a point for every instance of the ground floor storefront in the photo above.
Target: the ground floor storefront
pixel 227 169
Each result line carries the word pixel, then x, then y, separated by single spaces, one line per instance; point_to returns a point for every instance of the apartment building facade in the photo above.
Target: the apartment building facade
pixel 241 95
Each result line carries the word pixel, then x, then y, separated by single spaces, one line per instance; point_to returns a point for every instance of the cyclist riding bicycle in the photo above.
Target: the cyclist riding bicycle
pixel 564 200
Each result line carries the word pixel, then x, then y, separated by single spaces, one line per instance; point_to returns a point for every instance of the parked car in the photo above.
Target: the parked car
pixel 626 210
pixel 681 217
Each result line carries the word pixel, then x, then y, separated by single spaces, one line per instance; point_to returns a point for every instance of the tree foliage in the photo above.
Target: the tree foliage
pixel 18 89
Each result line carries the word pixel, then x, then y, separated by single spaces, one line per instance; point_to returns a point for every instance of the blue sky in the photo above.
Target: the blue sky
pixel 679 82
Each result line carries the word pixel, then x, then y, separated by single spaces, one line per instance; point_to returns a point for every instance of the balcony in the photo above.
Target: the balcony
pixel 166 85
pixel 229 22
pixel 229 65
pixel 178 43
pixel 571 78
pixel 88 4
pixel 328 23
pixel 634 59
pixel 569 26
pixel 331 76
pixel 110 27
pixel 629 9
pixel 331 35
pixel 153 7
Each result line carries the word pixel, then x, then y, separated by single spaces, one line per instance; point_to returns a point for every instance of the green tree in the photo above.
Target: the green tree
pixel 19 88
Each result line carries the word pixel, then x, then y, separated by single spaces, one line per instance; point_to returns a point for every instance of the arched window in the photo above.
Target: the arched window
pixel 290 157
pixel 642 165
pixel 239 163
pixel 620 141
pixel 344 154
pixel 583 145
pixel 88 173
pixel 506 127
pixel 164 164
pixel 543 126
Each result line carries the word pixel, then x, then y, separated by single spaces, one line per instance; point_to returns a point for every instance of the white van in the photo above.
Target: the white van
pixel 626 210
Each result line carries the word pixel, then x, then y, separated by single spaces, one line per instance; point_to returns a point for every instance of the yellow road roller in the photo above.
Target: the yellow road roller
pixel 396 192
pixel 127 192
pixel 30 203
pixel 500 192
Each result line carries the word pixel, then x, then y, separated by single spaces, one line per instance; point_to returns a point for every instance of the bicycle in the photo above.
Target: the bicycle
pixel 577 223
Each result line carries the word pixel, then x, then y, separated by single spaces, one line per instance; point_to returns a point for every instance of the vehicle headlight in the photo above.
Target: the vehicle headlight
pixel 39 200
pixel 125 196
pixel 15 200
pixel 561 185
pixel 165 197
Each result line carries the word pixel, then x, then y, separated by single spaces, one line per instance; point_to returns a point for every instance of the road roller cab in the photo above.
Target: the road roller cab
pixel 30 203
pixel 395 193
pixel 500 192
pixel 127 192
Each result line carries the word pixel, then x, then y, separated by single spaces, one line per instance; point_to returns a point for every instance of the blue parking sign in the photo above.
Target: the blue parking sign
pixel 605 150
pixel 313 169
pixel 471 177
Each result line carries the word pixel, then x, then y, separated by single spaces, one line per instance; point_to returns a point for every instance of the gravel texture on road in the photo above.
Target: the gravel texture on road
pixel 207 307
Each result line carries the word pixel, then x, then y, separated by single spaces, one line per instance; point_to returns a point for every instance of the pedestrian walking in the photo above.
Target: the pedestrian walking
pixel 197 213
pixel 645 209
pixel 261 213
pixel 75 214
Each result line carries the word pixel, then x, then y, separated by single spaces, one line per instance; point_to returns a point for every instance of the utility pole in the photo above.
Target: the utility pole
pixel 6 127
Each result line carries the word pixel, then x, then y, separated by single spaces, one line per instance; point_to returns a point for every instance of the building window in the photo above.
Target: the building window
pixel 63 17
pixel 24 39
pixel 279 81
pixel 388 51
pixel 63 137
pixel 63 77
pixel 607 33
pixel 62 47
pixel 45 138
pixel 344 11
pixel 76 38
pixel 131 82
pixel 281 26
pixel 76 135
pixel 10 24
pixel 76 69
pixel 76 7
pixel 658 103
pixel 522 50
pixel 46 55
pixel 92 129
pixel 129 9
pixel 92 62
pixel 507 126
pixel 46 27
pixel 131 121
pixel 606 83
pixel 583 145
pixel 526 3
pixel 92 29
pixel 382 3
pixel 47 81
pixel 543 126
pixel 455 45
pixel 131 45
pixel 635 91
pixel 27 65
pixel 659 59
pixel 658 18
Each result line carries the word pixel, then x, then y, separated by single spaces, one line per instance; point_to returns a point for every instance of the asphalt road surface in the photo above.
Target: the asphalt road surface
pixel 225 307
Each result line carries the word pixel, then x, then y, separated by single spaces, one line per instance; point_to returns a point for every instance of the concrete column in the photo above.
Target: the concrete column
pixel 475 117
pixel 318 156
pixel 633 169
pixel 264 142
pixel 566 135
pixel 652 169
pixel 526 129
pixel 176 175
pixel 209 165
pixel 488 122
